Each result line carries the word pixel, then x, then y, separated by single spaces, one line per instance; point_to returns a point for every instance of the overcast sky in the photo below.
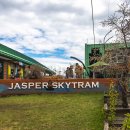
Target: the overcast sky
pixel 52 30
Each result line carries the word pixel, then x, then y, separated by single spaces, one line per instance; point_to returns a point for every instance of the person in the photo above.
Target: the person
pixel 12 76
pixel 71 73
pixel 18 75
pixel 78 71
pixel 67 72
pixel 27 72
pixel 35 72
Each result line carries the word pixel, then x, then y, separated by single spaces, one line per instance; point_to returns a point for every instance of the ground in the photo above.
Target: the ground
pixel 52 112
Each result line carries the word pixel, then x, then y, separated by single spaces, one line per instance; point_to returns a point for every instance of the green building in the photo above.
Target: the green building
pixel 93 51
pixel 13 60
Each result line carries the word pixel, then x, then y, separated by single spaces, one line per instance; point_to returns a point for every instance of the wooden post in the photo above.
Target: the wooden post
pixel 5 70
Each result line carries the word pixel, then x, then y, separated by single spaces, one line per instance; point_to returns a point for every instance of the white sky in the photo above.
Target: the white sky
pixel 53 30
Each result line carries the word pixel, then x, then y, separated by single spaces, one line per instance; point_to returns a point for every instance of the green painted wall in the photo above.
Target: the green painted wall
pixel 88 48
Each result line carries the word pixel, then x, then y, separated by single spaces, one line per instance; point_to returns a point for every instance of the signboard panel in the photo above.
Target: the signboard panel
pixel 13 87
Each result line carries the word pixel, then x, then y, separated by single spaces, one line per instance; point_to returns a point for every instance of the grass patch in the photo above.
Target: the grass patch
pixel 52 112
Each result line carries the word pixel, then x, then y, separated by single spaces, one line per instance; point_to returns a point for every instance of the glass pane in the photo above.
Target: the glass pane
pixel 1 70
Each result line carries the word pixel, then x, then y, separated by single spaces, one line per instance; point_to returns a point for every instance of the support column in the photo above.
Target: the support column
pixel 9 71
pixel 5 69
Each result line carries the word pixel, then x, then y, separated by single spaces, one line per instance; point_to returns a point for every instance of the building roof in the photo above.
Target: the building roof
pixel 17 56
pixel 108 45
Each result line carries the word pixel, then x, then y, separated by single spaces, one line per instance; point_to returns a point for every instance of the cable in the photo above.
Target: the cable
pixel 93 22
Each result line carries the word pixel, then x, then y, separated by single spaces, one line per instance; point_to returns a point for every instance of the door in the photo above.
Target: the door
pixel 1 70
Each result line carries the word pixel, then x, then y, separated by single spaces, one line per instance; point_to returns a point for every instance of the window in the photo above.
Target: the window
pixel 1 70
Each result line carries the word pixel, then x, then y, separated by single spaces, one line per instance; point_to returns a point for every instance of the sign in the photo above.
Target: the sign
pixel 13 87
